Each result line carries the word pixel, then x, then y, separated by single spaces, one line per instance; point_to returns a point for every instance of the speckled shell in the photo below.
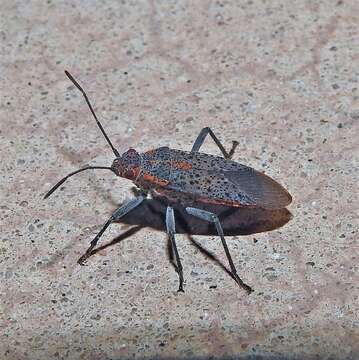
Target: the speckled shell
pixel 210 179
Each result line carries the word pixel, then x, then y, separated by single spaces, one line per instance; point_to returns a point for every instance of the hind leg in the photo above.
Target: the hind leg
pixel 208 216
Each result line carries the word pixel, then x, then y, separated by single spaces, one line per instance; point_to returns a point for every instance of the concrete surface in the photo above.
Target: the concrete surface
pixel 279 76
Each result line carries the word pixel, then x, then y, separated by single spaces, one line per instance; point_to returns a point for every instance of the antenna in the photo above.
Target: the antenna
pixel 73 173
pixel 117 154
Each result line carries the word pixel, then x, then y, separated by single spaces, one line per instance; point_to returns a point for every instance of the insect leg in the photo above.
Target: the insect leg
pixel 208 216
pixel 118 214
pixel 200 140
pixel 171 230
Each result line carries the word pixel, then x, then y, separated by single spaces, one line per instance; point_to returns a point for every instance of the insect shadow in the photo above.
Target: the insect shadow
pixel 235 221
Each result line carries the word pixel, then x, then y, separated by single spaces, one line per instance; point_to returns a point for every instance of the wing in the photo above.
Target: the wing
pixel 260 188
pixel 213 179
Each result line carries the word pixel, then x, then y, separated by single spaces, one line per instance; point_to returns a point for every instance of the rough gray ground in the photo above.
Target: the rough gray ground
pixel 281 77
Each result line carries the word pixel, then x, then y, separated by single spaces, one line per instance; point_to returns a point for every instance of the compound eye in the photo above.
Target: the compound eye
pixel 117 166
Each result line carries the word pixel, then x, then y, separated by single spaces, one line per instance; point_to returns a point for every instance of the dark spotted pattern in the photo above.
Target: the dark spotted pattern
pixel 210 179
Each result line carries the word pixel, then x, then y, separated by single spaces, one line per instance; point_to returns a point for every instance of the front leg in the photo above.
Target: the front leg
pixel 201 137
pixel 117 215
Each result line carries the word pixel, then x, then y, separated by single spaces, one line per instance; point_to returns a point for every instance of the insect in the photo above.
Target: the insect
pixel 187 177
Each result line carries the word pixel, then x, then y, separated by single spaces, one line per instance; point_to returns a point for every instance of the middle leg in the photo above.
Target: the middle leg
pixel 171 230
pixel 202 136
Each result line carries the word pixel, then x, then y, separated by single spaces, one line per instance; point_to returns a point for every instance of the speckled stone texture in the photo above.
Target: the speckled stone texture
pixel 281 77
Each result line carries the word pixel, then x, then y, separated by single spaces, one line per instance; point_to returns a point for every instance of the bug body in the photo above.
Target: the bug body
pixel 191 177
pixel 188 177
